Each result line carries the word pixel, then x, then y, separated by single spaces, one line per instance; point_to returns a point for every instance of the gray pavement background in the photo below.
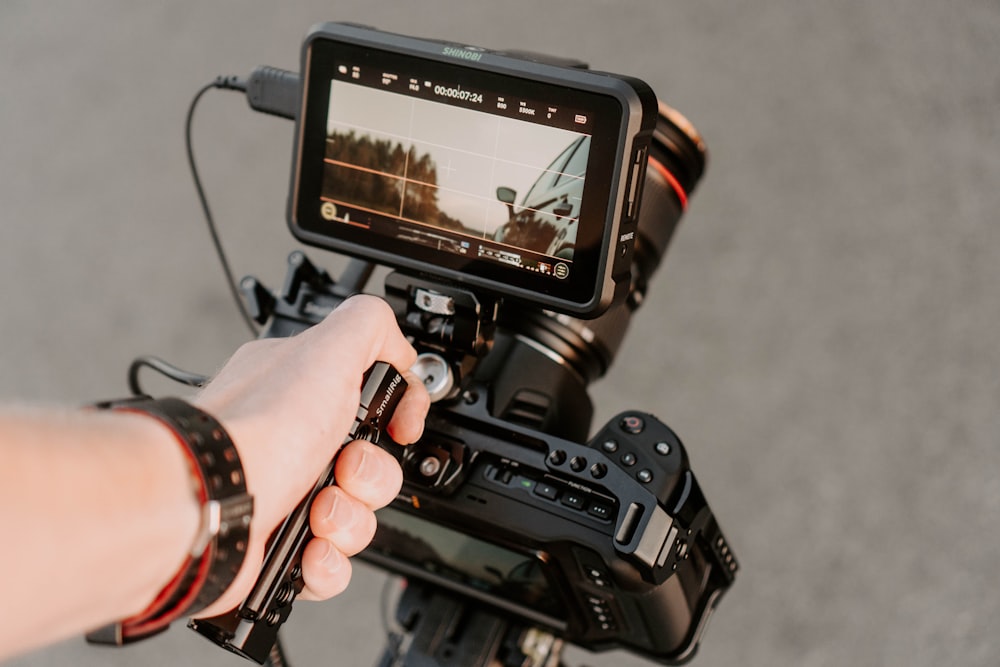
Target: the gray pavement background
pixel 823 333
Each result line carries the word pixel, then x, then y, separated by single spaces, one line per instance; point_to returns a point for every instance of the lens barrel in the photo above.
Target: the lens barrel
pixel 677 159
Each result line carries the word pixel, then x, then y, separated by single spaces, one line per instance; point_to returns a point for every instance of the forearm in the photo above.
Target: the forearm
pixel 107 516
pixel 98 507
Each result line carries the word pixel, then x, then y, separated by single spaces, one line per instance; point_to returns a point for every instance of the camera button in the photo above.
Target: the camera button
pixel 645 476
pixel 633 424
pixel 600 612
pixel 628 459
pixel 599 510
pixel 601 579
pixel 503 476
pixel 638 162
pixel 663 448
pixel 610 446
pixel 546 491
pixel 573 499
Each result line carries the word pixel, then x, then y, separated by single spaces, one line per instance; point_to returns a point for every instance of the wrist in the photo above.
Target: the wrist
pixel 166 473
pixel 215 482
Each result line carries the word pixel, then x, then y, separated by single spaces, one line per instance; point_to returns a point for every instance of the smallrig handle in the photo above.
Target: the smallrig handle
pixel 251 629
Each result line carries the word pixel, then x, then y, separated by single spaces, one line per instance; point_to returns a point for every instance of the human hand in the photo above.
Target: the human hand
pixel 288 404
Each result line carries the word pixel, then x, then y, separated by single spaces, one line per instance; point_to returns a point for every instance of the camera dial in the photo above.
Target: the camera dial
pixel 435 372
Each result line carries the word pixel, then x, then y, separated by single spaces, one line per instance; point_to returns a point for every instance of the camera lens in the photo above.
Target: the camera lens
pixel 679 146
pixel 677 158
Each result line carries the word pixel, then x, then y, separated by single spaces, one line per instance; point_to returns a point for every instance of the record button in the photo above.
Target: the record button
pixel 633 424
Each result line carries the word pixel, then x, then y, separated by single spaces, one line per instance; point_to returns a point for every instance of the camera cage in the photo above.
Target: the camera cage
pixel 614 529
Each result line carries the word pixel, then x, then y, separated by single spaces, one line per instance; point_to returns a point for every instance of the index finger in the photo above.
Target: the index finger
pixel 367 326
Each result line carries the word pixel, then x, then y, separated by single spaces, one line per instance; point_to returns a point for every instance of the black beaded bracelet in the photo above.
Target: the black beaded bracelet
pixel 221 544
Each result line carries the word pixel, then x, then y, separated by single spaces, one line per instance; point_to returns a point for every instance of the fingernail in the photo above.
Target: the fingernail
pixel 331 560
pixel 341 514
pixel 368 469
pixel 328 506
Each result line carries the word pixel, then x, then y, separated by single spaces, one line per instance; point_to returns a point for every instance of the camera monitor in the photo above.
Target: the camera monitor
pixel 503 174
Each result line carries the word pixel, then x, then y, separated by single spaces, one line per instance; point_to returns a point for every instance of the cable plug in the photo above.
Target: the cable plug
pixel 274 91
pixel 231 82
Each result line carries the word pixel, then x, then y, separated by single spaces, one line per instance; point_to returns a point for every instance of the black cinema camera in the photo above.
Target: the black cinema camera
pixel 505 190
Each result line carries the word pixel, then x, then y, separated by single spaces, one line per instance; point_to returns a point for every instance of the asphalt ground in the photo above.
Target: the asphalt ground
pixel 822 333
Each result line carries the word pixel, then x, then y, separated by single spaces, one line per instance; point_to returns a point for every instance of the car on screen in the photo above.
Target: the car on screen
pixel 549 212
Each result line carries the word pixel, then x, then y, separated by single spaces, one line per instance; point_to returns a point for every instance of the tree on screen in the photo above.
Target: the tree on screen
pixel 382 175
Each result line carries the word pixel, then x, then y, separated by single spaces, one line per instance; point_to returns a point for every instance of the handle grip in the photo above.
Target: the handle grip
pixel 251 629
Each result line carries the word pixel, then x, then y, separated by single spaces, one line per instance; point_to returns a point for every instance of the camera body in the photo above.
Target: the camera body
pixel 607 542
pixel 410 154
